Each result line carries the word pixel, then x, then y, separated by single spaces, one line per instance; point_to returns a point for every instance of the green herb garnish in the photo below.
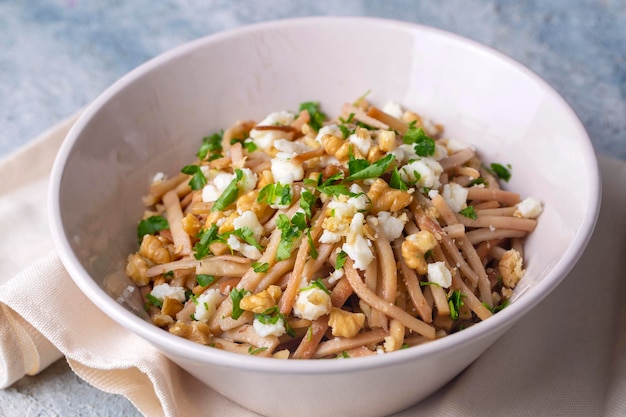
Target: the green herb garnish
pixel 260 266
pixel 236 295
pixel 469 212
pixel 275 193
pixel 151 225
pixel 501 171
pixel 154 301
pixel 211 147
pixel 455 301
pixel 205 238
pixel 197 180
pixel 253 351
pixel 423 144
pixel 230 194
pixel 341 260
pixel 205 280
pixel 396 181
pixel 316 284
pixel 317 118
pixel 375 170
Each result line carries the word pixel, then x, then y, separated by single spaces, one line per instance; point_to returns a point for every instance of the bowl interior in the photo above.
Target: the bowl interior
pixel 153 120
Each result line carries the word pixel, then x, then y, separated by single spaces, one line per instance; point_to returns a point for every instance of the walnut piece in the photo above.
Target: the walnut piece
pixel 196 331
pixel 414 249
pixel 345 323
pixel 336 147
pixel 385 198
pixel 510 267
pixel 262 301
pixel 154 249
pixel 136 268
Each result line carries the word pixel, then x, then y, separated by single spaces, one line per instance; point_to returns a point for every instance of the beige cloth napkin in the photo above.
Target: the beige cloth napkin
pixel 567 357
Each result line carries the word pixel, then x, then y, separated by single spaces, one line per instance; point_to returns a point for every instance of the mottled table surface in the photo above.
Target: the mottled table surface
pixel 58 55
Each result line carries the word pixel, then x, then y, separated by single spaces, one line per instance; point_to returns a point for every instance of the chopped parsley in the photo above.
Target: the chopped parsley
pixel 168 274
pixel 360 169
pixel 230 194
pixel 316 284
pixel 211 147
pixel 423 144
pixel 341 260
pixel 469 212
pixel 260 266
pixel 246 235
pixel 477 181
pixel 271 316
pixel 275 193
pixel 313 250
pixel 317 118
pixel 396 181
pixel 290 231
pixel 253 351
pixel 236 295
pixel 197 180
pixel 307 202
pixel 205 238
pixel 151 225
pixel 205 280
pixel 501 171
pixel 152 300
pixel 499 307
pixel 455 301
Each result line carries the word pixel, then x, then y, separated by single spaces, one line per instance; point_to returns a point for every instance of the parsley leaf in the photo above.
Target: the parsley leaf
pixel 477 181
pixel 245 234
pixel 206 238
pixel 307 202
pixel 469 212
pixel 230 194
pixel 154 301
pixel 336 190
pixel 316 284
pixel 275 194
pixel 236 295
pixel 151 225
pixel 501 171
pixel 211 145
pixel 317 118
pixel 205 280
pixel 396 181
pixel 313 249
pixel 198 180
pixel 341 260
pixel 260 266
pixel 455 301
pixel 423 144
pixel 290 231
pixel 253 351
pixel 375 170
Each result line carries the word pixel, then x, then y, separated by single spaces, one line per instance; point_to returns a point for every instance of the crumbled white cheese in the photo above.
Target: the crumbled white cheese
pixel 404 153
pixel 440 152
pixel 284 170
pixel 454 145
pixel 264 139
pixel 249 219
pixel 360 251
pixel 455 195
pixel 329 237
pixel 394 109
pixel 158 177
pixel 528 208
pixel 439 274
pixel 361 141
pixel 428 169
pixel 248 180
pixel 335 276
pixel 288 146
pixel 212 191
pixel 331 129
pixel 206 304
pixel 391 226
pixel 311 304
pixel 164 290
pixel 268 329
pixel 341 209
pixel 246 250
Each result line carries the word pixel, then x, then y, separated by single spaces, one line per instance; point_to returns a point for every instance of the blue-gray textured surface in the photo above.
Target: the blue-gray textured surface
pixel 58 55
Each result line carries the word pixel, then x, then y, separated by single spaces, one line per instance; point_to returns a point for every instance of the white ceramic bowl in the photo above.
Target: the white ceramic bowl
pixel 154 118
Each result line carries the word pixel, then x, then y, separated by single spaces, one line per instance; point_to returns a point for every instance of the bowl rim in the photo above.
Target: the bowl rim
pixel 199 353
